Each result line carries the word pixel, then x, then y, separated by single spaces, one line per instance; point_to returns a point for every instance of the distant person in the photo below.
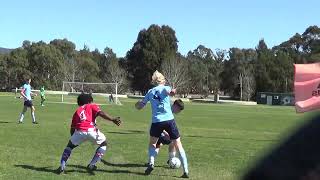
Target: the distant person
pixel 27 94
pixel 83 128
pixel 42 95
pixel 111 100
pixel 162 119
pixel 16 91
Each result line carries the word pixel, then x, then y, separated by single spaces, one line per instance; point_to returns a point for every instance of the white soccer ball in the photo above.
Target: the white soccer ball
pixel 175 163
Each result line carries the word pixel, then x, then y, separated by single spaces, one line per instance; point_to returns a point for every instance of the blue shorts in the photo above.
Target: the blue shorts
pixel 169 126
pixel 28 103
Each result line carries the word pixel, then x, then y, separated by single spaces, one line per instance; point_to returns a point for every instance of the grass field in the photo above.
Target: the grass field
pixel 220 140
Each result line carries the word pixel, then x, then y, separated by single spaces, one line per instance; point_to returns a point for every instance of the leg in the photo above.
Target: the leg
pixel 33 115
pixel 22 114
pixel 98 155
pixel 178 145
pixel 152 154
pixel 99 138
pixel 172 151
pixel 65 156
pixel 42 101
pixel 174 134
pixel 152 149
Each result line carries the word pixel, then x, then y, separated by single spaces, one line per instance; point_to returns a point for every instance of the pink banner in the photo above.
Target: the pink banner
pixel 307 87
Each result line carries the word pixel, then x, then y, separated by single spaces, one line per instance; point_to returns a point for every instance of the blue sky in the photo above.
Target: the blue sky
pixel 116 24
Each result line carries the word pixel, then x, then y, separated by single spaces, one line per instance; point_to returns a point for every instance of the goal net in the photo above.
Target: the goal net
pixel 102 93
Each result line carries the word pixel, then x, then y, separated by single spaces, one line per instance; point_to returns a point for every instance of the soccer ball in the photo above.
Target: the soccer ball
pixel 174 163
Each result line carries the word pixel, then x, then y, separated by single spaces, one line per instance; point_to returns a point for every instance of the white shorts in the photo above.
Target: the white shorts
pixel 95 136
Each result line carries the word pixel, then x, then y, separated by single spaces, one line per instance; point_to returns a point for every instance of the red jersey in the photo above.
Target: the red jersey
pixel 85 117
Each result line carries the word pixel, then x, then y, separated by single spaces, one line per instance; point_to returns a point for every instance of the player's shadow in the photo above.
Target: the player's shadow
pixel 82 169
pixel 75 168
pixel 122 165
pixel 127 132
pixel 5 122
pixel 232 138
pixel 42 169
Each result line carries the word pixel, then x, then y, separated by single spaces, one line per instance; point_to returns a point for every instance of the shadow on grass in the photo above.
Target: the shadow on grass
pixel 250 139
pixel 116 171
pixel 127 132
pixel 122 165
pixel 76 168
pixel 5 122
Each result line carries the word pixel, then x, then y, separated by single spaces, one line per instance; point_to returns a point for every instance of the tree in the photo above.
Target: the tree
pixel 262 68
pixel 208 77
pixel 46 65
pixel 237 75
pixel 17 67
pixel 152 47
pixel 111 71
pixel 176 70
pixel 71 66
pixel 3 71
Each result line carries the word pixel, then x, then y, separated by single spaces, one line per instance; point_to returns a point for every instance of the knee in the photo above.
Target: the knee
pixel 177 143
pixel 71 145
pixel 103 144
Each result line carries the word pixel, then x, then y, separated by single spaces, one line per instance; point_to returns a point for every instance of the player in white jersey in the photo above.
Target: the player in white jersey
pixel 26 94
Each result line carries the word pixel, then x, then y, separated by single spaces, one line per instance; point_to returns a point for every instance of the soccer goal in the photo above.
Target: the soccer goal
pixel 102 93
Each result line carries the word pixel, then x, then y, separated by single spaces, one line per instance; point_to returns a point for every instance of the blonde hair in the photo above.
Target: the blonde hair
pixel 158 78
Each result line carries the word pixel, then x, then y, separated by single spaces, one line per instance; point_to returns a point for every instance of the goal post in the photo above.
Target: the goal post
pixel 103 93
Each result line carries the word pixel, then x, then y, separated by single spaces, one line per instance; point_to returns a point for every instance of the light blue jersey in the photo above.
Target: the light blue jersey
pixel 27 91
pixel 160 103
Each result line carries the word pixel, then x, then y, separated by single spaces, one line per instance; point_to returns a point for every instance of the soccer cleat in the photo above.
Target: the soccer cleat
pixel 91 167
pixel 35 122
pixel 149 169
pixel 19 122
pixel 59 170
pixel 185 175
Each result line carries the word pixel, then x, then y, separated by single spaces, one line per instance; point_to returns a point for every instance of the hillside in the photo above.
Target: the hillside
pixel 5 50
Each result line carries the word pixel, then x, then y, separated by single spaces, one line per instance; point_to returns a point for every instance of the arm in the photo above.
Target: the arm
pixel 170 92
pixel 139 105
pixel 106 116
pixel 22 93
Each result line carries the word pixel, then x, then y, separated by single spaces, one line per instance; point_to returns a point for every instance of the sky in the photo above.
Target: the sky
pixel 216 24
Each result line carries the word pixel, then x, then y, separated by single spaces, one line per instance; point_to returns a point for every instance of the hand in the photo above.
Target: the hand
pixel 117 121
pixel 138 105
pixel 173 92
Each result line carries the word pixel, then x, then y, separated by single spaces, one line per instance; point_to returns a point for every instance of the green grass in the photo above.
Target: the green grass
pixel 220 140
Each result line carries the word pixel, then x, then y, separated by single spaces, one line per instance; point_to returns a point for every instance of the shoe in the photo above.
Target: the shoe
pixel 59 170
pixel 185 175
pixel 19 122
pixel 35 122
pixel 168 161
pixel 149 169
pixel 91 167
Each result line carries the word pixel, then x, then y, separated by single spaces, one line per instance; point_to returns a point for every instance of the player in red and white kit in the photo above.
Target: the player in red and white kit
pixel 83 128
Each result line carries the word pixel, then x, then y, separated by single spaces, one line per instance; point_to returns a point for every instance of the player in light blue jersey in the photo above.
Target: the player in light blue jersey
pixel 26 94
pixel 162 119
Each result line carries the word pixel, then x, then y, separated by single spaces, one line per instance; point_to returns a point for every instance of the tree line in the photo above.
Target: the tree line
pixel 238 72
